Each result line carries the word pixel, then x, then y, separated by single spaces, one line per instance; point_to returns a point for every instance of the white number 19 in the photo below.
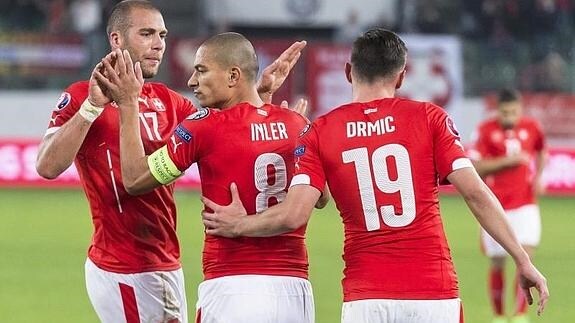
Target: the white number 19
pixel 403 184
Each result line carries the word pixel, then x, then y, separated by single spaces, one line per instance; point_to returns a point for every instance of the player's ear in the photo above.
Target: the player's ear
pixel 234 76
pixel 115 40
pixel 348 72
pixel 400 78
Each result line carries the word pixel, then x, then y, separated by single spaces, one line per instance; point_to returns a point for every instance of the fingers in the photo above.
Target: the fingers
pixel 301 107
pixel 138 72
pixel 292 53
pixel 210 204
pixel 543 297
pixel 235 193
pixel 528 295
pixel 121 62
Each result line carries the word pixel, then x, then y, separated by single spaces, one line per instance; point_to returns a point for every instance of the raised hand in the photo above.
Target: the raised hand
pixel 97 92
pixel 300 107
pixel 225 219
pixel 122 81
pixel 274 75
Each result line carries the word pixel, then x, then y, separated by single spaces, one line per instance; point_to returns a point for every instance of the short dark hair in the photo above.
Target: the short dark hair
pixel 378 53
pixel 508 95
pixel 119 19
pixel 232 48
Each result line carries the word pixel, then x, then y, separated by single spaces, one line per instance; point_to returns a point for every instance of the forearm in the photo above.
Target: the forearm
pixel 488 212
pixel 489 166
pixel 133 158
pixel 58 150
pixel 286 216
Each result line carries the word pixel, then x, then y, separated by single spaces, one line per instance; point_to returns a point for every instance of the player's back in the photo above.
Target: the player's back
pixel 253 147
pixel 382 160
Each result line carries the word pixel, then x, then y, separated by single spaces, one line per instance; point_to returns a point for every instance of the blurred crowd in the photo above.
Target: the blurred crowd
pixel 524 43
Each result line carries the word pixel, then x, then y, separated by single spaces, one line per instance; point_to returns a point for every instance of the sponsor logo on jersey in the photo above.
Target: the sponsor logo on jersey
pixel 299 151
pixel 305 129
pixel 63 101
pixel 451 126
pixel 183 133
pixel 200 114
pixel 158 104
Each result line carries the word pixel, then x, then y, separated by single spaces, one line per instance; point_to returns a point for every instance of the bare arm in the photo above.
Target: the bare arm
pixel 58 150
pixel 487 166
pixel 489 213
pixel 124 83
pixel 274 75
pixel 540 160
pixel 231 220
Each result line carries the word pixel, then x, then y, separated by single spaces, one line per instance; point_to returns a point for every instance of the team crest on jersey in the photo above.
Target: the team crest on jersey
pixel 200 114
pixel 305 129
pixel 63 101
pixel 183 133
pixel 451 126
pixel 158 104
pixel 299 151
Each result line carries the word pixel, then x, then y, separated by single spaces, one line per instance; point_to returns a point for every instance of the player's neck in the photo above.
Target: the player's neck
pixel 249 95
pixel 370 92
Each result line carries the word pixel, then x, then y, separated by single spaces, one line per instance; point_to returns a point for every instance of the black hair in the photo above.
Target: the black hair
pixel 378 53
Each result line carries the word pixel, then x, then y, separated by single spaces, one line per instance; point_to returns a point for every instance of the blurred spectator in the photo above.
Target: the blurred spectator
pixel 56 11
pixel 25 15
pixel 86 19
pixel 350 30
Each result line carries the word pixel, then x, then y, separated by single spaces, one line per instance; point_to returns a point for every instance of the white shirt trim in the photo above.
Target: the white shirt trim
pixel 300 179
pixel 50 131
pixel 461 163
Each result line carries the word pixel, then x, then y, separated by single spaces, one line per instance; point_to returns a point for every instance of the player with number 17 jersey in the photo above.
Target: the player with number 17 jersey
pixel 396 247
pixel 253 147
pixel 132 234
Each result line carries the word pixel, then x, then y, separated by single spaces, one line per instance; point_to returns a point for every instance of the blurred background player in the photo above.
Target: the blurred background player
pixel 382 157
pixel 244 141
pixel 509 154
pixel 133 269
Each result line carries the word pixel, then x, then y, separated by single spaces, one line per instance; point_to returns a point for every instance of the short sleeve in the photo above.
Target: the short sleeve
pixel 67 105
pixel 184 146
pixel 448 151
pixel 308 166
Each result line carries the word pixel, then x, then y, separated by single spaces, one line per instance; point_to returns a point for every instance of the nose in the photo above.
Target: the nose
pixel 159 42
pixel 193 81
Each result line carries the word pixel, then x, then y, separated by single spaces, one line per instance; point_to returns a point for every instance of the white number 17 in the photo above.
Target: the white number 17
pixel 403 184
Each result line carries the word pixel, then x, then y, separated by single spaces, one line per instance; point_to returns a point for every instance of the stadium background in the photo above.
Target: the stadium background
pixel 460 53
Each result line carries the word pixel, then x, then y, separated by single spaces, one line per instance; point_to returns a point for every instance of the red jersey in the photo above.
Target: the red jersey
pixel 253 147
pixel 513 186
pixel 132 234
pixel 383 160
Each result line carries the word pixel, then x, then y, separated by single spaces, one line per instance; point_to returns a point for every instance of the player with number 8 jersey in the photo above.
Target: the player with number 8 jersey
pixel 256 154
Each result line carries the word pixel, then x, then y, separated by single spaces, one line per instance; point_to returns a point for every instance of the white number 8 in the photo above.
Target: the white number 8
pixel 403 184
pixel 270 175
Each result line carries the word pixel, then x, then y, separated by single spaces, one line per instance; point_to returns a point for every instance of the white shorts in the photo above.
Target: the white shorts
pixel 402 311
pixel 255 299
pixel 525 222
pixel 157 296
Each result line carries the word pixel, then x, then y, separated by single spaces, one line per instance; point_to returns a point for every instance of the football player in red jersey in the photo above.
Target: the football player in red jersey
pixel 383 158
pixel 241 140
pixel 504 150
pixel 133 270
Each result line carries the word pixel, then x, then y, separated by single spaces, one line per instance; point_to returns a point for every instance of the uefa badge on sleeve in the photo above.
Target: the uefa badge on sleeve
pixel 63 101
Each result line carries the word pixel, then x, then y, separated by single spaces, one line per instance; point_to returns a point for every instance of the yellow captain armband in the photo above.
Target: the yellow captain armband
pixel 162 167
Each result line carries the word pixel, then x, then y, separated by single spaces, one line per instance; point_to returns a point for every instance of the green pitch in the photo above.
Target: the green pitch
pixel 44 236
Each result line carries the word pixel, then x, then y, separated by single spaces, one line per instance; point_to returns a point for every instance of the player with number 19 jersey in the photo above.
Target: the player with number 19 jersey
pixel 382 161
pixel 132 234
pixel 253 147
